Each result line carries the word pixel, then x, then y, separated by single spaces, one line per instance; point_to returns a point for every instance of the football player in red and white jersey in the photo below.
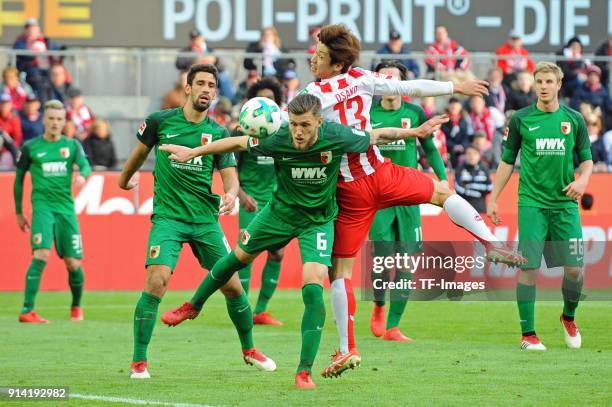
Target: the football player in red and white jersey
pixel 367 182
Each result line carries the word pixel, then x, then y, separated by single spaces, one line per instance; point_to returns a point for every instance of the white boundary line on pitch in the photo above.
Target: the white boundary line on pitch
pixel 133 401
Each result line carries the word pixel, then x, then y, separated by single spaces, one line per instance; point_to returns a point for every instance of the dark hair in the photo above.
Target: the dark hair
pixel 268 82
pixel 343 46
pixel 211 69
pixel 587 201
pixel 393 63
pixel 472 147
pixel 305 103
pixel 453 100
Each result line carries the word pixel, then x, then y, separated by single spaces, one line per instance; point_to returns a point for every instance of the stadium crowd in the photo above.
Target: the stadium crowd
pixel 470 142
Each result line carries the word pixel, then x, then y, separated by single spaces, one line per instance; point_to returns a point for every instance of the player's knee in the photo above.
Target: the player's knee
pixel 233 288
pixel 441 193
pixel 156 282
pixel 42 254
pixel 573 273
pixel 72 264
pixel 276 255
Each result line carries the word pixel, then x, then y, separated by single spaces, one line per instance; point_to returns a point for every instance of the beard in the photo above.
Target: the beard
pixel 198 106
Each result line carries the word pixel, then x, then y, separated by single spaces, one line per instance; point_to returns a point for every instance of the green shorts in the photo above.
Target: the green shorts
pixel 207 242
pixel 554 233
pixel 268 232
pixel 63 228
pixel 400 224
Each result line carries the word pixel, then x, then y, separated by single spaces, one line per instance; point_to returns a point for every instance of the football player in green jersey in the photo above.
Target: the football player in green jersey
pixel 257 183
pixel 401 224
pixel 547 134
pixel 50 158
pixel 307 152
pixel 185 210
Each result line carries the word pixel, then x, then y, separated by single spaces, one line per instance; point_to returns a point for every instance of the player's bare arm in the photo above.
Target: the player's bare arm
pixel 389 134
pixel 575 189
pixel 504 171
pixel 227 145
pixel 471 88
pixel 133 164
pixel 231 187
pixel 247 201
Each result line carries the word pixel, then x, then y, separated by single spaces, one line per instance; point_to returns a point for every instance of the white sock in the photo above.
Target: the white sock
pixel 340 311
pixel 463 214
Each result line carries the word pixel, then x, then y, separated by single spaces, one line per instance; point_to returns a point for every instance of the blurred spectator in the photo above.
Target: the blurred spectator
pixel 513 58
pixel 58 85
pixel 480 117
pixel 485 148
pixel 70 129
pixel 605 50
pixel 221 112
pixel 592 92
pixel 79 113
pixel 9 152
pixel 176 97
pixel 271 49
pixel 521 93
pixel 472 180
pixel 31 118
pixel 99 146
pixel 291 85
pixel 428 103
pixel 11 85
pixel 267 87
pixel 456 130
pixel 10 127
pixel 252 77
pixel 598 148
pixel 314 36
pixel 36 68
pixel 573 66
pixel 396 46
pixel 448 58
pixel 497 93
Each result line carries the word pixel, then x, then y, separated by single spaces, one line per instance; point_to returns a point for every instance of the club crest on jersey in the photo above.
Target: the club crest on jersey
pixel 506 131
pixel 253 141
pixel 566 127
pixel 206 138
pixel 142 128
pixel 65 152
pixel 154 251
pixel 245 238
pixel 37 238
pixel 406 123
pixel 326 157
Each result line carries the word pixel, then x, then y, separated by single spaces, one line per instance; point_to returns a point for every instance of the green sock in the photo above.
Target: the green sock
pixel 571 296
pixel 269 281
pixel 220 274
pixel 399 299
pixel 312 325
pixel 241 315
pixel 145 317
pixel 245 277
pixel 525 299
pixel 32 283
pixel 75 280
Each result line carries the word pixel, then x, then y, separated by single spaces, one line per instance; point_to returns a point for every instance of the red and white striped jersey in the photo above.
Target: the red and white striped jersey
pixel 347 98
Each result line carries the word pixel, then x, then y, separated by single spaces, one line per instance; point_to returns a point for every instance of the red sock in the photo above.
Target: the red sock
pixel 352 306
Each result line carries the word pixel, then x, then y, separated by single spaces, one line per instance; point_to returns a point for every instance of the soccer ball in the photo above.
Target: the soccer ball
pixel 260 117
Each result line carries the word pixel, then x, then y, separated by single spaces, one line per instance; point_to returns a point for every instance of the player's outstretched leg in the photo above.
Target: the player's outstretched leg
pixel 572 288
pixel 32 283
pixel 312 328
pixel 75 281
pixel 269 281
pixel 525 300
pixel 464 215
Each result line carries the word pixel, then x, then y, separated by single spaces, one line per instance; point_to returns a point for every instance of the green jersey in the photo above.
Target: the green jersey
pixel 51 164
pixel 404 152
pixel 182 191
pixel 547 141
pixel 306 191
pixel 257 175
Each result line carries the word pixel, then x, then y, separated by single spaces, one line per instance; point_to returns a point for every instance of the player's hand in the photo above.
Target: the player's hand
pixel 23 223
pixel 248 203
pixel 575 189
pixel 228 202
pixel 493 214
pixel 131 184
pixel 178 153
pixel 431 125
pixel 79 181
pixel 472 88
pixel 444 183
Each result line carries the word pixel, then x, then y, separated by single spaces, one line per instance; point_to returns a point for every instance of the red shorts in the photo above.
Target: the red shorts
pixel 358 201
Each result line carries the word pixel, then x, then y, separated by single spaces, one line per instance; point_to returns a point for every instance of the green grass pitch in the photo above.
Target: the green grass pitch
pixel 465 353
